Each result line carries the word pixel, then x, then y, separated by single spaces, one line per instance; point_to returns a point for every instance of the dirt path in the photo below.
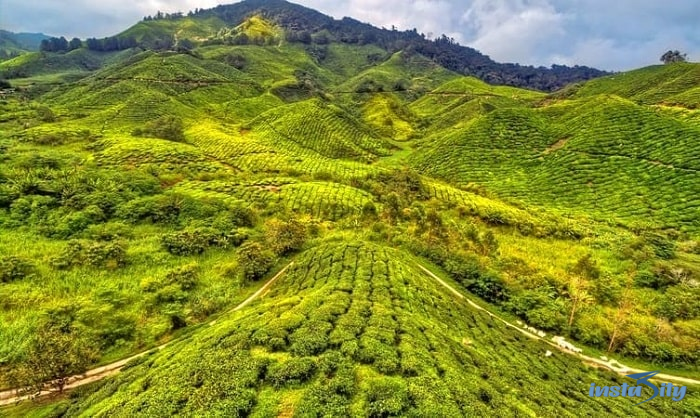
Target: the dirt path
pixel 10 396
pixel 613 365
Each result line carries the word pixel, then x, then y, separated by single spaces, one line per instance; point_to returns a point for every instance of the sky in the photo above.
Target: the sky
pixel 607 34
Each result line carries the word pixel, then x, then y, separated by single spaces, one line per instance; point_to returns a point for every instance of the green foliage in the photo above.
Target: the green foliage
pixel 165 127
pixel 369 296
pixel 387 397
pixel 198 240
pixel 109 255
pixel 587 267
pixel 284 237
pixel 291 372
pixel 53 356
pixel 45 114
pixel 255 260
pixel 539 195
pixel 14 268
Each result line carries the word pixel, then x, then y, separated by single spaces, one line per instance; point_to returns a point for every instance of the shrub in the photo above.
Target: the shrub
pixel 71 255
pixel 165 127
pixel 387 397
pixel 156 209
pixel 234 217
pixel 285 236
pixel 76 222
pixel 198 240
pixel 291 372
pixel 14 268
pixel 310 339
pixel 236 61
pixel 255 260
pixel 109 255
pixel 187 242
pixel 663 247
pixel 45 114
pixel 587 267
pixel 185 276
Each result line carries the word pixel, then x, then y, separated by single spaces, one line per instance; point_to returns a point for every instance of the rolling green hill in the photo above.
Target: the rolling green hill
pixel 603 154
pixel 356 329
pixel 14 44
pixel 148 191
pixel 670 85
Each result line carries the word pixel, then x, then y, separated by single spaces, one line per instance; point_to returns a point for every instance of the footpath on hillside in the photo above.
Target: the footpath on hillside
pixel 613 365
pixel 11 396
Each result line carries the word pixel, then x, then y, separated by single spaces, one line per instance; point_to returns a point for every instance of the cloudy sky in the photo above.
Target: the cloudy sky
pixel 608 34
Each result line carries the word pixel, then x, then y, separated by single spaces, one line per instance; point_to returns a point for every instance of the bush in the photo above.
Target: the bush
pixel 165 127
pixel 387 397
pixel 255 260
pixel 663 247
pixel 110 255
pixel 236 61
pixel 185 276
pixel 14 268
pixel 76 222
pixel 156 209
pixel 291 372
pixel 587 267
pixel 285 236
pixel 199 240
pixel 45 114
pixel 187 242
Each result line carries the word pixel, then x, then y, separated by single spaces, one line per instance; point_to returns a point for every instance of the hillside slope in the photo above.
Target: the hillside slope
pixel 354 329
pixel 600 154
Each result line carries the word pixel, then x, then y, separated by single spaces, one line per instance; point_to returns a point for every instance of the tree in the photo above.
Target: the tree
pixel 579 297
pixel 622 317
pixel 94 44
pixel 670 57
pixel 74 43
pixel 255 260
pixel 55 355
pixel 285 237
pixel 165 127
pixel 184 45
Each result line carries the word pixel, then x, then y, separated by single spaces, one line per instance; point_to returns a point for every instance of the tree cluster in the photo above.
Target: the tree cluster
pixel 670 57
pixel 60 44
pixel 112 43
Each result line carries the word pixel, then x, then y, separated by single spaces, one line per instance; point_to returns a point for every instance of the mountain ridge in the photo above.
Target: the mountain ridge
pixel 309 27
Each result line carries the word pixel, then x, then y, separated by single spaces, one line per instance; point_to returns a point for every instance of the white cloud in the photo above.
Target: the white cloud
pixel 513 30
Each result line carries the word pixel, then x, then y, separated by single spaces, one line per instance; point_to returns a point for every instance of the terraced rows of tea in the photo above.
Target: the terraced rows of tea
pixel 265 150
pixel 323 200
pixel 604 156
pixel 323 128
pixel 354 329
pixel 668 84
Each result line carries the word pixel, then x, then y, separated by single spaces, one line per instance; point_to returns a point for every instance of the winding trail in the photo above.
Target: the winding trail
pixel 10 396
pixel 613 365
